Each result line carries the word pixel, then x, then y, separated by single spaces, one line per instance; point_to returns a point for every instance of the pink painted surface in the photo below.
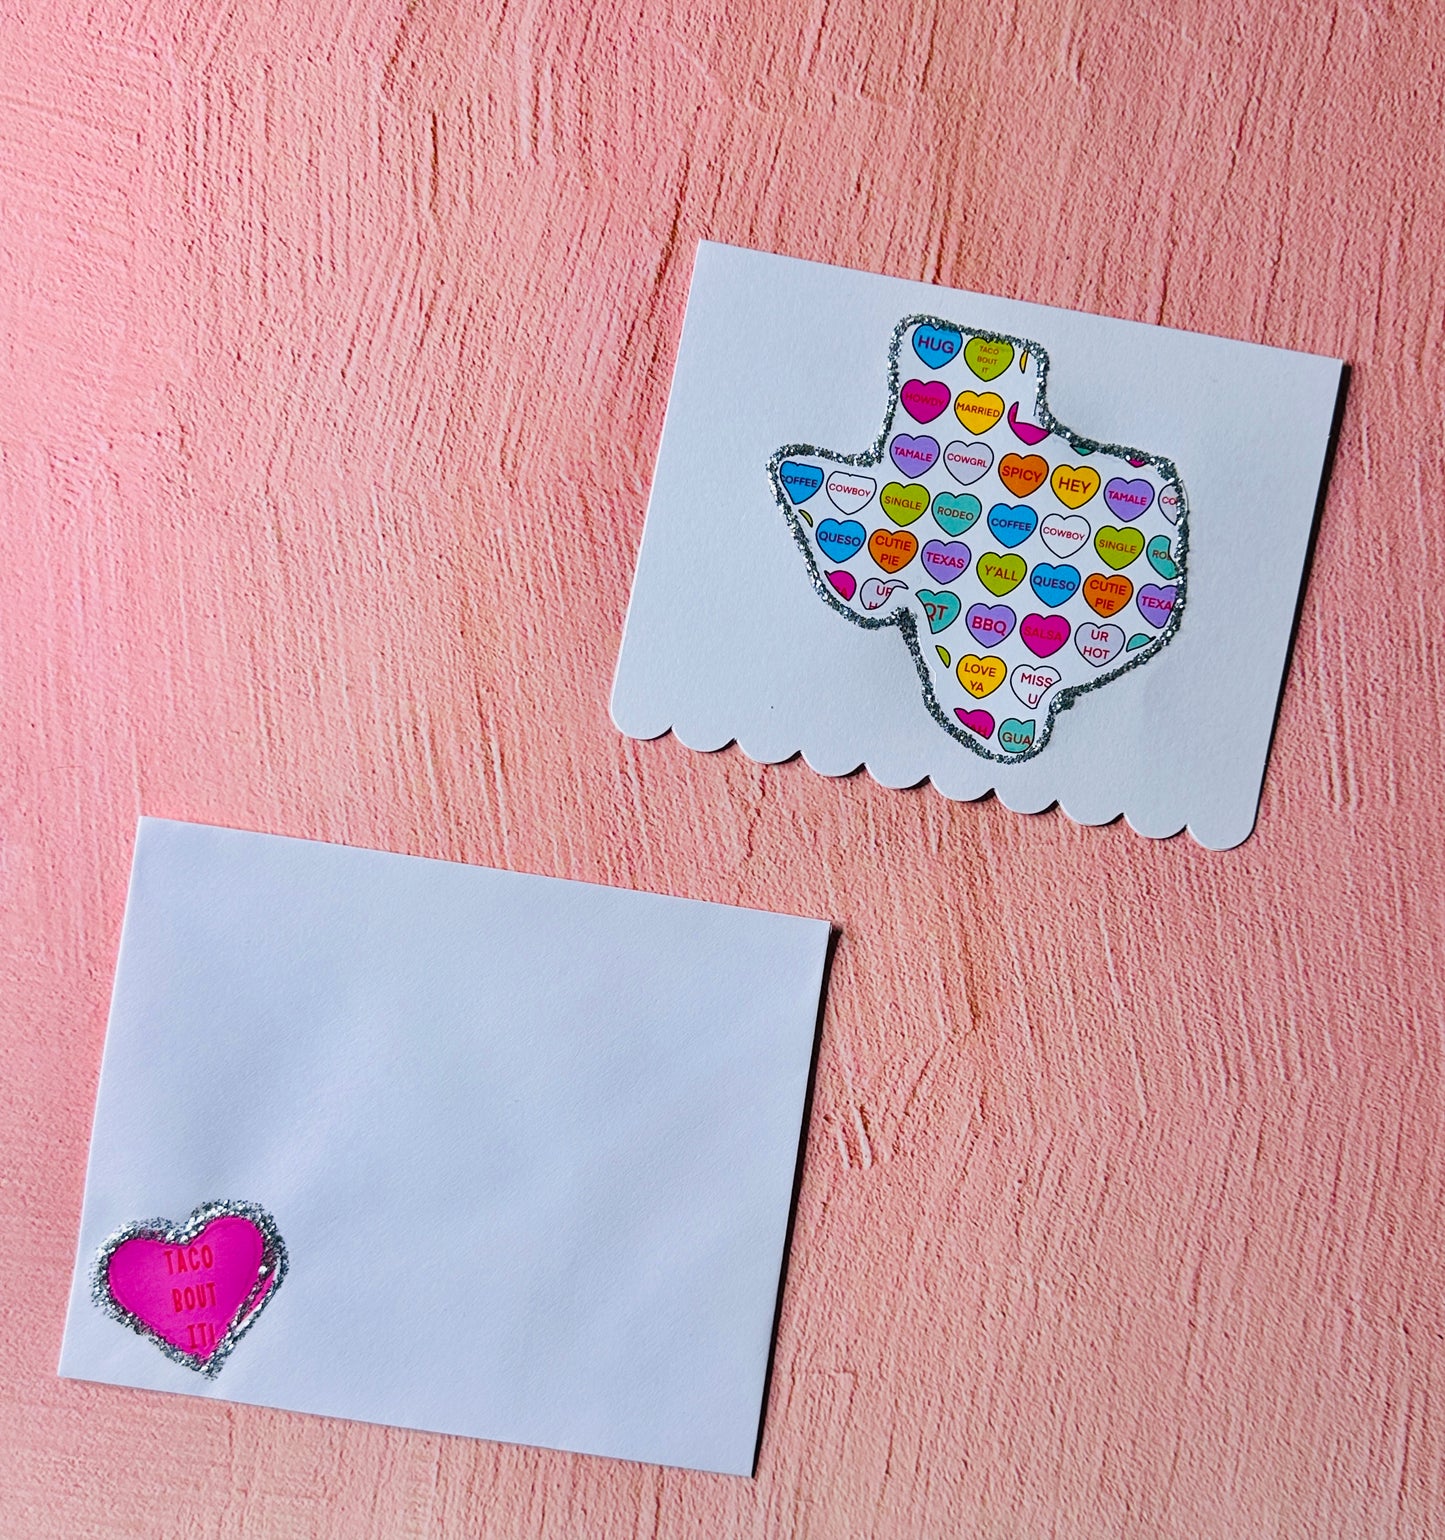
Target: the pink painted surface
pixel 334 342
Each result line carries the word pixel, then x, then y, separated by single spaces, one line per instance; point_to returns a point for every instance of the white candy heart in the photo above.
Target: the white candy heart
pixel 851 492
pixel 1171 503
pixel 875 594
pixel 1064 533
pixel 967 462
pixel 1032 681
pixel 1098 644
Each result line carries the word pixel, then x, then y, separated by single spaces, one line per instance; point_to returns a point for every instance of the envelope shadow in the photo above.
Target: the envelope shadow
pixel 834 936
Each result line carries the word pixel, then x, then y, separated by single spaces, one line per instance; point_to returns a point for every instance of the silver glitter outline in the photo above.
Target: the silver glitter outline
pixel 903 617
pixel 268 1280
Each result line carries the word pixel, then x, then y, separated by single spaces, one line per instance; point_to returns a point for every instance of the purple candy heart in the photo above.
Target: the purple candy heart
pixel 945 560
pixel 1156 604
pixel 991 624
pixel 1128 499
pixel 913 456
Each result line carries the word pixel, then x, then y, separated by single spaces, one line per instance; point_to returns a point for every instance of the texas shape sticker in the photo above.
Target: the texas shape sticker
pixel 1014 598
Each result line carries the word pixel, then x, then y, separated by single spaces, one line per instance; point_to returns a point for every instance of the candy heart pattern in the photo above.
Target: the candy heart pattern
pixel 1054 519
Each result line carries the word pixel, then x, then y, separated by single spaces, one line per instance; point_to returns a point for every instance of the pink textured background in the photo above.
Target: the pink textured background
pixel 334 343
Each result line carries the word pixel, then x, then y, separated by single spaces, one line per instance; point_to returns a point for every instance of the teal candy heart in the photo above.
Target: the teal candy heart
pixel 1161 558
pixel 941 608
pixel 1136 642
pixel 956 512
pixel 1014 736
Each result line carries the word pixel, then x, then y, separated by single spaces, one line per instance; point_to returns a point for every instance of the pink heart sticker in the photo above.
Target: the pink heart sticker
pixel 924 400
pixel 980 722
pixel 1043 635
pixel 193 1289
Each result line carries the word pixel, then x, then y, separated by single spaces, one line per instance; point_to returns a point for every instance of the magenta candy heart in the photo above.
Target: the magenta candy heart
pixel 913 456
pixel 1156 604
pixel 924 400
pixel 991 624
pixel 190 1295
pixel 1128 499
pixel 945 560
pixel 844 582
pixel 979 722
pixel 1043 635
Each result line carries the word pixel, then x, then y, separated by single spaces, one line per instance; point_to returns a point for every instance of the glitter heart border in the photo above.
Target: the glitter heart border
pixel 268 1280
pixel 904 619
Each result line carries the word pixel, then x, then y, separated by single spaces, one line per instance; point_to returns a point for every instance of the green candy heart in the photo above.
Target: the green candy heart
pixel 1016 736
pixel 1001 574
pixel 943 653
pixel 1161 558
pixel 1118 547
pixel 987 359
pixel 956 512
pixel 904 504
pixel 941 608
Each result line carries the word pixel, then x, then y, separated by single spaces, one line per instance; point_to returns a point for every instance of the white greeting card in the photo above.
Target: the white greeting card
pixel 996 545
pixel 455 1149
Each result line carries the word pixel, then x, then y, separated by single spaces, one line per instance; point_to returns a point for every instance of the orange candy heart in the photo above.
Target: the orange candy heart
pixel 892 549
pixel 1023 474
pixel 1107 595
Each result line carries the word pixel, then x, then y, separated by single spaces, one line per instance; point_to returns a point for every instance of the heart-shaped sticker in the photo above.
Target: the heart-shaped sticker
pixel 1012 526
pixel 800 481
pixel 1001 574
pixel 1171 503
pixel 849 492
pixel 1064 533
pixel 1032 681
pixel 981 676
pixel 1161 557
pixel 1107 595
pixel 1098 644
pixel 1128 499
pixel 978 413
pixel 967 462
pixel 912 455
pixel 1118 547
pixel 979 722
pixel 1054 585
pixel 1015 737
pixel 904 504
pixel 987 357
pixel 1022 474
pixel 1074 485
pixel 193 1288
pixel 940 608
pixel 841 541
pixel 924 400
pixel 945 560
pixel 1156 604
pixel 843 582
pixel 991 624
pixel 873 595
pixel 956 512
pixel 892 549
pixel 1043 635
pixel 937 345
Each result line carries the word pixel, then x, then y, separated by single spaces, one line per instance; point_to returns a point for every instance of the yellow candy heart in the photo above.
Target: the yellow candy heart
pixel 981 676
pixel 1074 485
pixel 978 413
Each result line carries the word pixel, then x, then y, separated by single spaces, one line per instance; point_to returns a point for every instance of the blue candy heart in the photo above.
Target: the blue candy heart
pixel 941 608
pixel 1012 526
pixel 840 540
pixel 800 481
pixel 1054 585
pixel 937 345
pixel 1015 736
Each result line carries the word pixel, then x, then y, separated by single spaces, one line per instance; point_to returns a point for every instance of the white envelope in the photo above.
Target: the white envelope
pixel 728 639
pixel 530 1144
